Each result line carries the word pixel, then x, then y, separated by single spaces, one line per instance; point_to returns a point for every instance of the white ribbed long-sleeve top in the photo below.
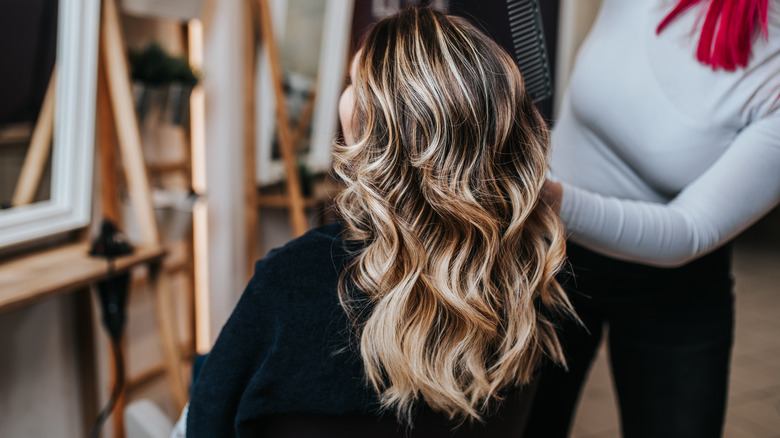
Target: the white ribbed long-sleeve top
pixel 661 158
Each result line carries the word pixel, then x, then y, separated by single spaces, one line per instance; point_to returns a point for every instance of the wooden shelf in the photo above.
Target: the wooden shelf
pixel 172 166
pixel 325 190
pixel 45 274
pixel 282 201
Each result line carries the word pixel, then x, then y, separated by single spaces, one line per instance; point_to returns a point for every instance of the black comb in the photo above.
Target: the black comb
pixel 517 26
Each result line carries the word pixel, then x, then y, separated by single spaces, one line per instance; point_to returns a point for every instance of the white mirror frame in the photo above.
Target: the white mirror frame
pixel 74 132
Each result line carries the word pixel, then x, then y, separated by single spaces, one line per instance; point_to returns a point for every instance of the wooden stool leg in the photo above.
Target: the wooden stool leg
pixel 118 414
pixel 87 369
pixel 165 326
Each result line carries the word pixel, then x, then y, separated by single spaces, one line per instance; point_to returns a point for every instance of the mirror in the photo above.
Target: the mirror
pixel 28 38
pixel 50 138
pixel 313 35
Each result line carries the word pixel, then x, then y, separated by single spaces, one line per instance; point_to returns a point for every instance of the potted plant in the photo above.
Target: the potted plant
pixel 162 82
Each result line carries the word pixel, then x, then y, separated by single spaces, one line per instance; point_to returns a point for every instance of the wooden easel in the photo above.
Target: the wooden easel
pixel 68 268
pixel 39 150
pixel 259 29
pixel 116 117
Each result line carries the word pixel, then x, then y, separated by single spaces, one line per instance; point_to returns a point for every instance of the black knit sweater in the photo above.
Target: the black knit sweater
pixel 289 352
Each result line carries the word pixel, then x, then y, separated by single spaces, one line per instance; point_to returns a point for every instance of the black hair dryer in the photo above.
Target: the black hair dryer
pixel 112 291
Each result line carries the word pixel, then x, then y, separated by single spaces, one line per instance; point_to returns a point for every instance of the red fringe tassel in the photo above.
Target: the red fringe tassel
pixel 728 31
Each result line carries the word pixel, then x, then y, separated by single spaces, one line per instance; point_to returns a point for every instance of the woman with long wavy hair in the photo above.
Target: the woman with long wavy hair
pixel 428 308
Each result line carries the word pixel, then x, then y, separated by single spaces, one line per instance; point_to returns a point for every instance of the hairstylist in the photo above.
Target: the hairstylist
pixel 667 147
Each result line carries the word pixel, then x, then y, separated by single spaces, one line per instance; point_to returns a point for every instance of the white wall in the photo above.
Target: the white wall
pixel 38 381
pixel 223 82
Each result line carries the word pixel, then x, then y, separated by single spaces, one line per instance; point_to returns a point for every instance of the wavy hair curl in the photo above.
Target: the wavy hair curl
pixel 458 254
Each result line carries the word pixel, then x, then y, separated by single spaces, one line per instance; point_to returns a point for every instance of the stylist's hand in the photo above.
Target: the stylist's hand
pixel 552 192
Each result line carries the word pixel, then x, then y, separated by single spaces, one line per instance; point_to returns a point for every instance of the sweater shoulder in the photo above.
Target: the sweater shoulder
pixel 307 266
pixel 315 246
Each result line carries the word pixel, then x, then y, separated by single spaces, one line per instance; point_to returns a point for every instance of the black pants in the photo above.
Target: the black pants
pixel 670 333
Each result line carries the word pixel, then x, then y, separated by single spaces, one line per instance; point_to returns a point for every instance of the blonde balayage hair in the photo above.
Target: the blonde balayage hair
pixel 456 271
